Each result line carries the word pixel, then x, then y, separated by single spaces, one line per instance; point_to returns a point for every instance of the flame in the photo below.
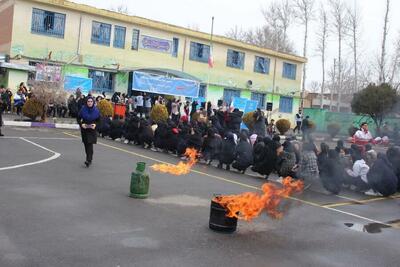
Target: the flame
pixel 248 206
pixel 182 167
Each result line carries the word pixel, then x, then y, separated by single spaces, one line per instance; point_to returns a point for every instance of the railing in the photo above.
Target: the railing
pixel 48 23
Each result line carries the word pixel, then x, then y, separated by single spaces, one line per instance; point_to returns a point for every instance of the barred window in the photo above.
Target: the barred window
pixel 48 23
pixel 101 33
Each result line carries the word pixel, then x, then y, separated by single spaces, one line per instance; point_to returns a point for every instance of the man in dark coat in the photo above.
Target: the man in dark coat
pixel 243 154
pixel 381 176
pixel 227 155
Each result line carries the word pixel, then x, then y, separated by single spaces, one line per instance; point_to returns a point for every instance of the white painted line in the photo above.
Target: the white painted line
pixel 67 126
pixel 39 138
pixel 55 156
pixel 18 123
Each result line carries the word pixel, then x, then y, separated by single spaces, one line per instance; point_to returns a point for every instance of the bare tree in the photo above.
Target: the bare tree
pixel 237 33
pixel 123 9
pixel 322 37
pixel 278 16
pixel 354 25
pixel 338 10
pixel 395 64
pixel 382 61
pixel 304 11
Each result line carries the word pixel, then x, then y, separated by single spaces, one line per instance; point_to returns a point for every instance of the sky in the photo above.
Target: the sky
pixel 247 14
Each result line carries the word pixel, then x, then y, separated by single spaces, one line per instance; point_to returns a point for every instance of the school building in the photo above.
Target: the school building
pixel 53 39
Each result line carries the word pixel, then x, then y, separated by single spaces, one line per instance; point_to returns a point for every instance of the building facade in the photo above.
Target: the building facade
pixel 50 39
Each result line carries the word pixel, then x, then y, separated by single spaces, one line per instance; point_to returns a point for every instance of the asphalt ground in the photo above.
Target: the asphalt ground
pixel 55 212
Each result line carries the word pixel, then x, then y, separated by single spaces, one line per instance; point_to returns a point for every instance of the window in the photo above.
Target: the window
pixel 286 104
pixel 135 39
pixel 101 33
pixel 235 59
pixel 260 98
pixel 119 36
pixel 261 65
pixel 102 81
pixel 199 52
pixel 175 47
pixel 289 71
pixel 202 90
pixel 48 23
pixel 229 94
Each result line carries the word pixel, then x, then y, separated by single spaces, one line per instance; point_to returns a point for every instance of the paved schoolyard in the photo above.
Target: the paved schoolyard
pixel 55 212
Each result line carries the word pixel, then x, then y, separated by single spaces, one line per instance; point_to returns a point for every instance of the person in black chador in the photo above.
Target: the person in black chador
pixel 88 119
pixel 243 154
pixel 227 155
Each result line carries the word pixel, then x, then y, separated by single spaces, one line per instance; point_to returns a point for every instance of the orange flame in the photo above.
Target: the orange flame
pixel 182 167
pixel 248 206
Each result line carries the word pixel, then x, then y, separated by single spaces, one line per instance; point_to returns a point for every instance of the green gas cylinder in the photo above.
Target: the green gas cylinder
pixel 140 182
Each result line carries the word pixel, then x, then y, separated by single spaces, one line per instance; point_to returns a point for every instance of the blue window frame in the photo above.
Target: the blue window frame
pixel 101 33
pixel 135 39
pixel 119 36
pixel 175 47
pixel 229 94
pixel 235 59
pixel 289 71
pixel 260 98
pixel 286 104
pixel 102 81
pixel 48 23
pixel 199 52
pixel 261 65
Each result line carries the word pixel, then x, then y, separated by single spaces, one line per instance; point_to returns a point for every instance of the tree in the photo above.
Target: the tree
pixel 322 38
pixel 375 101
pixel 123 9
pixel 395 64
pixel 304 10
pixel 338 9
pixel 382 61
pixel 354 32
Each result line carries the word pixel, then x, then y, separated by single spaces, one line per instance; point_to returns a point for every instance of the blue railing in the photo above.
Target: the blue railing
pixel 101 33
pixel 102 81
pixel 48 23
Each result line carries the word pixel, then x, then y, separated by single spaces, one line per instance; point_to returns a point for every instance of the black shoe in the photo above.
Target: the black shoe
pixel 1 134
pixel 243 172
pixel 228 168
pixel 88 163
pixel 219 166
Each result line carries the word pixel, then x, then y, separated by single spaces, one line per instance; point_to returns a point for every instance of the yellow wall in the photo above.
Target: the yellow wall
pixel 65 50
pixel 15 77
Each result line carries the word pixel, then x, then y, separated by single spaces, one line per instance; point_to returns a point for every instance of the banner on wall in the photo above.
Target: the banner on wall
pixel 157 84
pixel 155 44
pixel 71 83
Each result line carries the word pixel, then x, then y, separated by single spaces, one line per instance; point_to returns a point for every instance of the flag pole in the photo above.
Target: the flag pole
pixel 210 57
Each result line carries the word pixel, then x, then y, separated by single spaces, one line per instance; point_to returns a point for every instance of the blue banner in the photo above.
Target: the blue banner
pixel 146 82
pixel 239 103
pixel 71 83
pixel 251 105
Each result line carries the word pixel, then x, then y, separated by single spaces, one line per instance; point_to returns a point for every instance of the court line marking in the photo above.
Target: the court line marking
pixel 243 184
pixel 39 138
pixel 55 156
pixel 358 202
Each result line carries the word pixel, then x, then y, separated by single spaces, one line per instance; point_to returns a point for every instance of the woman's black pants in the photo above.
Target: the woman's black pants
pixel 89 152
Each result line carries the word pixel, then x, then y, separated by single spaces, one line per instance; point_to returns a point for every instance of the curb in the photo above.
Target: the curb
pixel 42 125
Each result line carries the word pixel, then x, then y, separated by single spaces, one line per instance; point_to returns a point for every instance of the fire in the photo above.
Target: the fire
pixel 248 206
pixel 182 167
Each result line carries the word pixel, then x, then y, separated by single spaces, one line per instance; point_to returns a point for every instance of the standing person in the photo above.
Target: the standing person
pixel 186 108
pixel 305 128
pixel 147 106
pixel 271 129
pixel 298 119
pixel 19 101
pixel 194 108
pixel 175 115
pixel 88 119
pixel 2 105
pixel 139 104
pixel 259 125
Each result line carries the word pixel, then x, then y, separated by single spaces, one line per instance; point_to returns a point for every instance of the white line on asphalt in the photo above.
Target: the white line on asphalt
pixel 39 138
pixel 55 156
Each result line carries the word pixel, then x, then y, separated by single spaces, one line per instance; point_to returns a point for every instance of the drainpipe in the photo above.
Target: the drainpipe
pixel 78 50
pixel 184 55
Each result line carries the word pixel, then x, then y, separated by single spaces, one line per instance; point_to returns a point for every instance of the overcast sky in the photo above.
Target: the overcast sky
pixel 246 14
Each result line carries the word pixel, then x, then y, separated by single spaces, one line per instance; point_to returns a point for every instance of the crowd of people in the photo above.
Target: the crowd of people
pixel 216 132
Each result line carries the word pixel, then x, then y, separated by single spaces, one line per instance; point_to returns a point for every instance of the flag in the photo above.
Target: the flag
pixel 211 59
